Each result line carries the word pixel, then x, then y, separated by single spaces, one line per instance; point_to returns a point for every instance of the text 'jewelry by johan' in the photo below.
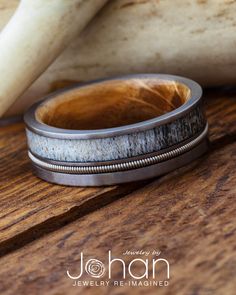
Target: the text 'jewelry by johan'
pixel 117 130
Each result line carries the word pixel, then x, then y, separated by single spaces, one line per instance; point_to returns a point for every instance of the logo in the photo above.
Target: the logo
pixel 95 268
pixel 152 270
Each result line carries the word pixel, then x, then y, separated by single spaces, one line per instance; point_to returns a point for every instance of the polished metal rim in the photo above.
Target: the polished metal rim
pixel 53 132
pixel 124 166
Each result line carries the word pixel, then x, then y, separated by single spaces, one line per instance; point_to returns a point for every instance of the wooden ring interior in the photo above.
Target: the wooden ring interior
pixel 112 104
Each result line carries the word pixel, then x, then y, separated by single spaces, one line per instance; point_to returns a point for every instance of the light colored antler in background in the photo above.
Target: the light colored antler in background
pixel 34 37
pixel 195 39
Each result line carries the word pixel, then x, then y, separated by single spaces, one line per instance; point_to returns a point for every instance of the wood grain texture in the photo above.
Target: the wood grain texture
pixel 221 112
pixel 27 202
pixel 113 103
pixel 193 225
pixel 188 215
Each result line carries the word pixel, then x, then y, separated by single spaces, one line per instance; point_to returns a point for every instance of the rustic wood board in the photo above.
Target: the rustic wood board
pixel 221 113
pixel 193 225
pixel 31 207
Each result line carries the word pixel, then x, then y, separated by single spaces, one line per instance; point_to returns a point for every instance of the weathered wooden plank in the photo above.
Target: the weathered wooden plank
pixel 31 208
pixel 27 202
pixel 189 215
pixel 221 113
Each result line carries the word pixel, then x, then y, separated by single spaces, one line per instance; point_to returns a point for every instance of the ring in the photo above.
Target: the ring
pixel 117 130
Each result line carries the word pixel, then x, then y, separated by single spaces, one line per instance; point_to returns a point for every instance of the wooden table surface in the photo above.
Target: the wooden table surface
pixel 189 215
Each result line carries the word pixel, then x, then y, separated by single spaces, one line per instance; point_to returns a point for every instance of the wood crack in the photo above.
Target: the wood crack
pixel 57 222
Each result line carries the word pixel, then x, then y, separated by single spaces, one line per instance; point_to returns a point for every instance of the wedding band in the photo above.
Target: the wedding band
pixel 117 130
